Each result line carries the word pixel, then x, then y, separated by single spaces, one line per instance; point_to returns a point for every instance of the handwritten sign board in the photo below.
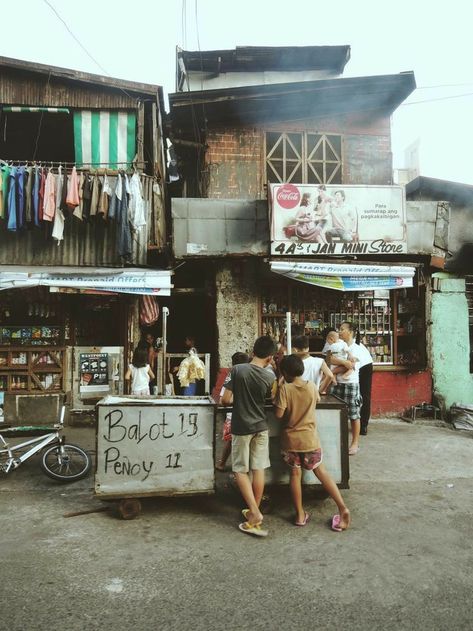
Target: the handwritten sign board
pixel 154 446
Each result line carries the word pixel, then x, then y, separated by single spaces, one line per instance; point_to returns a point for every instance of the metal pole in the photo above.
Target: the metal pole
pixel 288 333
pixel 165 312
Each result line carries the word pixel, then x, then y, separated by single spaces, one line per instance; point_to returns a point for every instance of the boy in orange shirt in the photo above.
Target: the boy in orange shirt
pixel 295 401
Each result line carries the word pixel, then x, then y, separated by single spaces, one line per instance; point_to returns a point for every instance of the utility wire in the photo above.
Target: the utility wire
pixel 76 39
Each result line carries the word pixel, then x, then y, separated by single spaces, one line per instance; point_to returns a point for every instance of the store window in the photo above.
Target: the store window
pixel 303 157
pixel 390 322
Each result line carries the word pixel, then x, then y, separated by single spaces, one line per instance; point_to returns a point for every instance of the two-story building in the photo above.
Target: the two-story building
pixel 259 134
pixel 82 231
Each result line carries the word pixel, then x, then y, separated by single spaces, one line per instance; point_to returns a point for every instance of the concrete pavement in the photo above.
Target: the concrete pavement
pixel 405 563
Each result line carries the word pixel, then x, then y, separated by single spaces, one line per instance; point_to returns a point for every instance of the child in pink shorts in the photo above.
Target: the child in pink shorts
pixel 295 401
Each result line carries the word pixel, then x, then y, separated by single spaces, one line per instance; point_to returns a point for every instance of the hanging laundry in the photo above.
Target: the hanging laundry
pixel 28 193
pixel 20 197
pixel 35 195
pixel 124 242
pixel 95 198
pixel 65 183
pixel 86 196
pixel 116 198
pixel 78 211
pixel 12 200
pixel 72 199
pixel 105 196
pixel 137 203
pixel 49 209
pixel 42 185
pixel 58 226
pixel 4 190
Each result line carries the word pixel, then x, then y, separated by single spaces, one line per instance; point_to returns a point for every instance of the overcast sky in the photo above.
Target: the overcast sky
pixel 138 43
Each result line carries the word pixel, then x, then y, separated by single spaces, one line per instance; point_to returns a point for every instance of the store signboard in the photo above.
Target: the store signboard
pixel 310 219
pixel 347 277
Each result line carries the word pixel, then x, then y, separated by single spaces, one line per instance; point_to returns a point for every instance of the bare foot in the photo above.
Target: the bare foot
pixel 354 449
pixel 345 519
pixel 220 466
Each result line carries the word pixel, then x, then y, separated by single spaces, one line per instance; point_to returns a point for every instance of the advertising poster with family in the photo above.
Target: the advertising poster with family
pixel 311 219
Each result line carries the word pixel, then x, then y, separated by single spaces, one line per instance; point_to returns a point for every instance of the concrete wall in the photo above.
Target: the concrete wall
pixel 237 308
pixel 236 162
pixel 450 350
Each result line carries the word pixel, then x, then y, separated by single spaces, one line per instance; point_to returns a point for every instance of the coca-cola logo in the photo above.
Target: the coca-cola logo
pixel 288 196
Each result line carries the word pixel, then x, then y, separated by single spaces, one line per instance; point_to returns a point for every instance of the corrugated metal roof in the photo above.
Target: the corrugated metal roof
pixel 253 58
pixel 77 76
pixel 291 101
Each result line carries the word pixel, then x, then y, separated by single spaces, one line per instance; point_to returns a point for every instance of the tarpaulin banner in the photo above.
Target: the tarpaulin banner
pixel 311 219
pixel 127 281
pixel 347 277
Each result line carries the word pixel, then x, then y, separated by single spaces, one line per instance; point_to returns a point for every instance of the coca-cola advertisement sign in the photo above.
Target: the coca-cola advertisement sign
pixel 288 196
pixel 319 219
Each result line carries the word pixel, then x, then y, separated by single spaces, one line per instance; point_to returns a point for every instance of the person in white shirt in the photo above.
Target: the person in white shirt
pixel 339 349
pixel 348 389
pixel 315 368
pixel 366 377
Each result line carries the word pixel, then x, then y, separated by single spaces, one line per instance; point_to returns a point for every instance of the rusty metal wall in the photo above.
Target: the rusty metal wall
pixel 84 244
pixel 17 88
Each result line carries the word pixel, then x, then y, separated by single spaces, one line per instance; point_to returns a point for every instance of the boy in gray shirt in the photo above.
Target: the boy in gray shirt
pixel 248 387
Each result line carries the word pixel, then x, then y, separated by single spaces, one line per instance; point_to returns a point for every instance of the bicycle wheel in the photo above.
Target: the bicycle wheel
pixel 66 463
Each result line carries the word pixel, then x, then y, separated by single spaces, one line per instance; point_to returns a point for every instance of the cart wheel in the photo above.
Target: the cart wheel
pixel 129 508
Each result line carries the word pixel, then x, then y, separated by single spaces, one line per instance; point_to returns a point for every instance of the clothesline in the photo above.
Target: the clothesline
pixel 63 163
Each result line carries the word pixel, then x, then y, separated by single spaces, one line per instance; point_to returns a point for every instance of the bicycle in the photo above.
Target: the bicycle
pixel 61 461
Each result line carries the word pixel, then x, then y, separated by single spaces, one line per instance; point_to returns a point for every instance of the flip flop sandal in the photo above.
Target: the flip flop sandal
pixel 353 450
pixel 253 529
pixel 336 523
pixel 245 512
pixel 305 522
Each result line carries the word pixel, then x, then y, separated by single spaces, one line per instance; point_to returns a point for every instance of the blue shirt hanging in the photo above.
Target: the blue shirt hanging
pixel 12 201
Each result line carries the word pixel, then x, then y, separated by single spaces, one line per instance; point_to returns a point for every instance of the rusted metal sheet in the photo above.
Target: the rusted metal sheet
pixel 84 244
pixel 154 446
pixel 213 227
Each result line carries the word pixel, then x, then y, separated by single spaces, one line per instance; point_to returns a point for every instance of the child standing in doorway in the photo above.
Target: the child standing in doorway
pixel 295 401
pixel 139 372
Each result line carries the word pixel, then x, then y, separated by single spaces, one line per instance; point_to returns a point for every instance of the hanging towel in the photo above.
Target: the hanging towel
pixel 12 200
pixel 72 198
pixel 137 203
pixel 49 209
pixel 42 185
pixel 78 211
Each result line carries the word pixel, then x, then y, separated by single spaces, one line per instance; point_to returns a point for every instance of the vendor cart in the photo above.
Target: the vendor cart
pixel 151 446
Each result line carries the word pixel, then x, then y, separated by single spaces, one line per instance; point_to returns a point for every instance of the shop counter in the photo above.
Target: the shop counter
pixel 154 446
pixel 331 414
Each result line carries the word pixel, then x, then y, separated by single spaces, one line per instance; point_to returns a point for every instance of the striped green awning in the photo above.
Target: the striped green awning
pixel 106 138
pixel 24 108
